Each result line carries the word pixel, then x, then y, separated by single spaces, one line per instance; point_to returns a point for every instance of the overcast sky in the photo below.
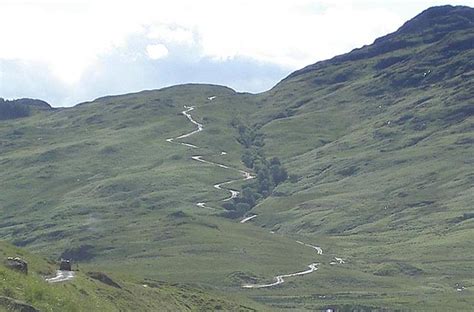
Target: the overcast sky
pixel 70 51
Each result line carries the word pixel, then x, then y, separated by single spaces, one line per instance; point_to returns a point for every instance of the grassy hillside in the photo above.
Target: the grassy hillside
pixel 381 142
pixel 378 144
pixel 100 184
pixel 381 138
pixel 88 292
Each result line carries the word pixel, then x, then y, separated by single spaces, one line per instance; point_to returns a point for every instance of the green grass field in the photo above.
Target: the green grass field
pixel 85 293
pixel 379 146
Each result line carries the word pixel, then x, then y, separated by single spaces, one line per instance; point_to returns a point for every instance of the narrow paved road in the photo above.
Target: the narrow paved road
pixel 246 175
pixel 317 248
pixel 233 194
pixel 61 276
pixel 248 218
pixel 280 278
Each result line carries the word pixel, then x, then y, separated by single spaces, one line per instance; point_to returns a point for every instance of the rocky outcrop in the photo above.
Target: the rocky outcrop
pixel 17 264
pixel 14 305
pixel 102 277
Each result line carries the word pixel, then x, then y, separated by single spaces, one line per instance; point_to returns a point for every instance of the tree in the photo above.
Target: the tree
pixel 242 208
pixel 275 161
pixel 248 196
pixel 279 174
pixel 248 158
pixel 11 110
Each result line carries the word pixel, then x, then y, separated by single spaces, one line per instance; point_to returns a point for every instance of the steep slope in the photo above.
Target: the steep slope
pixel 377 143
pixel 381 140
pixel 387 130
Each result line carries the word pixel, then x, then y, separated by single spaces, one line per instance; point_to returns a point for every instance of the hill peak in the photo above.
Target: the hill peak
pixel 439 19
pixel 40 104
pixel 430 26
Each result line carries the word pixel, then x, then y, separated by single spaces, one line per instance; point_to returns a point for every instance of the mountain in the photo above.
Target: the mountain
pixel 381 117
pixel 367 156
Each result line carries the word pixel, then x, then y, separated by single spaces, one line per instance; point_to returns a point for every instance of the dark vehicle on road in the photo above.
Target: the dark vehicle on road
pixel 65 265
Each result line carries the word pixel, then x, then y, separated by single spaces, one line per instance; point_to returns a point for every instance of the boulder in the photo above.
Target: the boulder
pixel 102 277
pixel 17 264
pixel 14 305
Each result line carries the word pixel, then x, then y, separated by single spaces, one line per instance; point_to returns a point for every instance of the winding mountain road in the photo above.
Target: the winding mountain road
pixel 317 248
pixel 279 279
pixel 246 175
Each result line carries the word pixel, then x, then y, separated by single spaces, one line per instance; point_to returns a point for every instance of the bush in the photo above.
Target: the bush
pixel 242 208
pixel 229 205
pixel 269 173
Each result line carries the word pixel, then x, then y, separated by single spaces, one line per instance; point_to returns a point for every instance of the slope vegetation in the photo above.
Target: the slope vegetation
pixel 94 291
pixel 378 150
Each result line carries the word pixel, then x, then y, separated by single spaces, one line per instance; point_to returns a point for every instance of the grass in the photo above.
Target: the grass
pixel 382 162
pixel 84 293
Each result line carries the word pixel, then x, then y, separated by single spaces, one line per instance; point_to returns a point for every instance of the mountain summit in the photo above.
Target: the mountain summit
pixel 429 27
pixel 440 20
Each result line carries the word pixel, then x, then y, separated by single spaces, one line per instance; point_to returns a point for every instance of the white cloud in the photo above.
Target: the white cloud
pixel 70 37
pixel 156 51
pixel 171 34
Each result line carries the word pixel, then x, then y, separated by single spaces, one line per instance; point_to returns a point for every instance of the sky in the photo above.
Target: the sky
pixel 71 51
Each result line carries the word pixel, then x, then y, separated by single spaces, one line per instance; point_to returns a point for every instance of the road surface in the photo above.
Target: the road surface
pixel 246 175
pixel 61 276
pixel 279 279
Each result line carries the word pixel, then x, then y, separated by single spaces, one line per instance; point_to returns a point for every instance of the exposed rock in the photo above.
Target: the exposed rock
pixel 17 264
pixel 102 277
pixel 14 305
